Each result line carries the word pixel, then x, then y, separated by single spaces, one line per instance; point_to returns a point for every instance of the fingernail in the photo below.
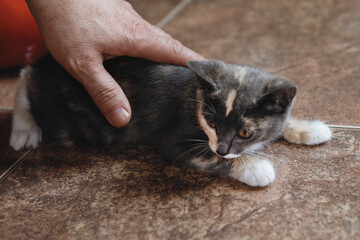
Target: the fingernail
pixel 119 117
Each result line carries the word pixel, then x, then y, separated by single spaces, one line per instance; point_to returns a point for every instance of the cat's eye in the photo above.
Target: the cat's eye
pixel 211 123
pixel 245 133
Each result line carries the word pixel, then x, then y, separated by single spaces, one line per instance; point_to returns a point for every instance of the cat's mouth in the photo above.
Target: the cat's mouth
pixel 227 155
pixel 250 150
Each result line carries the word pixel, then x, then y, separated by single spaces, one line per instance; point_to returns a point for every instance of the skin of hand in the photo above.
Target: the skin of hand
pixel 81 34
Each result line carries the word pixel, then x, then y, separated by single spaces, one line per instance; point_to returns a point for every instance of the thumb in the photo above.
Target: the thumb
pixel 106 94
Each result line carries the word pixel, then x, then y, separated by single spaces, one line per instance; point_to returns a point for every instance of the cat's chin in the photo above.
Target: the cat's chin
pixel 231 156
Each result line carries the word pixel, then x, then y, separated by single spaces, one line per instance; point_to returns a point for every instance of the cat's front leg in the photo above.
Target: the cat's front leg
pixel 251 170
pixel 306 132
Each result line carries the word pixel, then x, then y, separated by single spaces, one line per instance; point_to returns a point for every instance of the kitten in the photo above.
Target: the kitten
pixel 211 116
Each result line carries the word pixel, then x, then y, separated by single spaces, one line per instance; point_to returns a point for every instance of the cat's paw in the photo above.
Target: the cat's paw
pixel 258 174
pixel 307 132
pixel 25 138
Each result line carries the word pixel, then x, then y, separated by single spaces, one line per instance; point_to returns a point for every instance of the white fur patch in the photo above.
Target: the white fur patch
pixel 306 132
pixel 240 74
pixel 25 133
pixel 230 156
pixel 25 138
pixel 258 173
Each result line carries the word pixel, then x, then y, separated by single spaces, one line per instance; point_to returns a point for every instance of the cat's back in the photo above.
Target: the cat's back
pixel 134 75
pixel 67 114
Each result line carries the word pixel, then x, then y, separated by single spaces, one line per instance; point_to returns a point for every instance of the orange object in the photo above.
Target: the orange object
pixel 20 39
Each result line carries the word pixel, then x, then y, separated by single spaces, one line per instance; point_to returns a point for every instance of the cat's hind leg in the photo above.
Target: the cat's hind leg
pixel 25 133
pixel 306 132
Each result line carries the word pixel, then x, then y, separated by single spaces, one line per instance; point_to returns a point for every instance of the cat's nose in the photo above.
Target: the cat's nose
pixel 222 149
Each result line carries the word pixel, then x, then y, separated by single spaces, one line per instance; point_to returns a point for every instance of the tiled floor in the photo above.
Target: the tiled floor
pixel 128 193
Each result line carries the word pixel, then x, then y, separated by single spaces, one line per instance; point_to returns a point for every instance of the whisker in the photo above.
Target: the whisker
pixel 188 140
pixel 211 107
pixel 195 140
pixel 267 155
pixel 193 147
pixel 207 113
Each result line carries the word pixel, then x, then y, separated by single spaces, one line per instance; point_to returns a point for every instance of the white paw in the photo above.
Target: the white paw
pixel 307 132
pixel 258 174
pixel 319 132
pixel 25 138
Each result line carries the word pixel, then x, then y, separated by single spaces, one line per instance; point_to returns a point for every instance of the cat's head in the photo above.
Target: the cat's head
pixel 240 108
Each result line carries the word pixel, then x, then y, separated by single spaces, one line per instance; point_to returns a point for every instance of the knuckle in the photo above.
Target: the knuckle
pixel 105 96
pixel 177 47
pixel 133 37
pixel 129 45
pixel 84 65
pixel 136 28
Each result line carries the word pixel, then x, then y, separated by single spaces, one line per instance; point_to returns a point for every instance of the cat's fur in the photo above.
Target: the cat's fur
pixel 193 116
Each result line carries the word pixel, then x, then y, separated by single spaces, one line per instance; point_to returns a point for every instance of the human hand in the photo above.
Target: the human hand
pixel 80 34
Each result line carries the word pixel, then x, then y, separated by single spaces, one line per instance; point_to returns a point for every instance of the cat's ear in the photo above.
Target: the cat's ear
pixel 278 96
pixel 207 72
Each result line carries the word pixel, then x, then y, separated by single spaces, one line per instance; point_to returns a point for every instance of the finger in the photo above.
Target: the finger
pixel 106 93
pixel 161 47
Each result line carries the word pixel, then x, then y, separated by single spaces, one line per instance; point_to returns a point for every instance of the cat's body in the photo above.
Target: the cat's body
pixel 212 116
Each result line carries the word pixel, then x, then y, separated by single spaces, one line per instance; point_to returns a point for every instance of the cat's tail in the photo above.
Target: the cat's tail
pixel 306 132
pixel 25 133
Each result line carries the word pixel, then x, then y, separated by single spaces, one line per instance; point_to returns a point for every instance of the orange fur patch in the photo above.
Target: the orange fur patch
pixel 230 101
pixel 210 132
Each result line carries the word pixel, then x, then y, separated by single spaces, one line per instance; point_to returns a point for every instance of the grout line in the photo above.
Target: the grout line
pixel 316 56
pixel 173 13
pixel 345 127
pixel 6 109
pixel 14 165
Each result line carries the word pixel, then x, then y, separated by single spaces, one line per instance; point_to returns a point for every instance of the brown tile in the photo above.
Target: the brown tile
pixel 266 34
pixel 315 43
pixel 153 10
pixel 328 87
pixel 130 193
